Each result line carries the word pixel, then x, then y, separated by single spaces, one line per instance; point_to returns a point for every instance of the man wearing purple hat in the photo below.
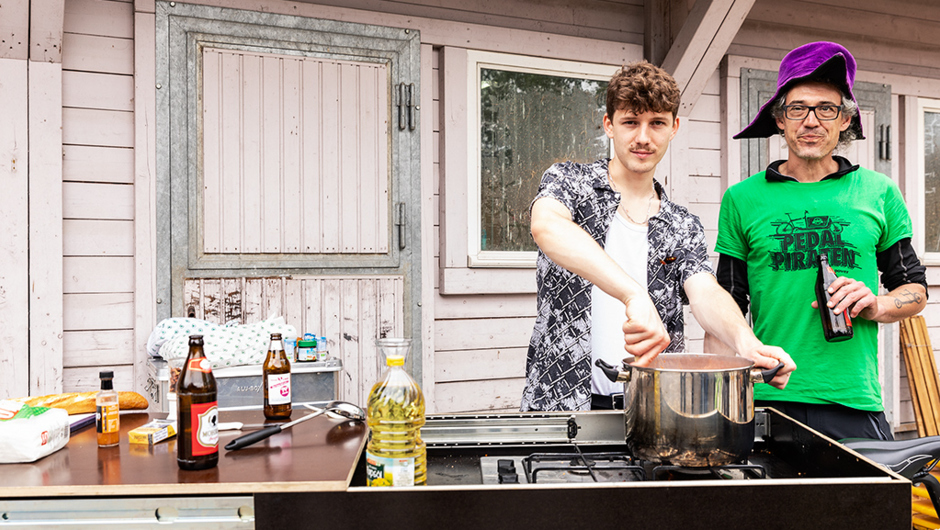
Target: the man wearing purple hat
pixel 775 224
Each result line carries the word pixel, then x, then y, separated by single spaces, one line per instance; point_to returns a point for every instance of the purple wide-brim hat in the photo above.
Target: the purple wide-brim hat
pixel 816 61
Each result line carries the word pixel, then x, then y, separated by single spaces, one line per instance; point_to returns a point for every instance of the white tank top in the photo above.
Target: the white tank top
pixel 627 244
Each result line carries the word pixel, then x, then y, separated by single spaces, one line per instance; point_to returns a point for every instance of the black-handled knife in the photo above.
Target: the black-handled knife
pixel 257 436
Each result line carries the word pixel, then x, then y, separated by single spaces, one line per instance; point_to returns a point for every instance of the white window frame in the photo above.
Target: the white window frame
pixel 924 105
pixel 476 61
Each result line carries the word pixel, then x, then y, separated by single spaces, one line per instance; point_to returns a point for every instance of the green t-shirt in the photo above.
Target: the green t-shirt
pixel 779 228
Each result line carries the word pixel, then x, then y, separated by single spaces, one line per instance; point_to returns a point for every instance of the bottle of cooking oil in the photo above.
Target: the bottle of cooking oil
pixel 395 455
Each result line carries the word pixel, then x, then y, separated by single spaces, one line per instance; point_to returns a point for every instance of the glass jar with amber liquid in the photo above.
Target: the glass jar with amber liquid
pixel 107 412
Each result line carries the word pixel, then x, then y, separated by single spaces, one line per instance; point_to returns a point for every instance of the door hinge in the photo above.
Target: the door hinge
pixel 406 107
pixel 401 226
pixel 884 143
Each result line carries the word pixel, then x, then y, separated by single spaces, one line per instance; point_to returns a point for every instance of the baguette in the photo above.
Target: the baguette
pixel 84 402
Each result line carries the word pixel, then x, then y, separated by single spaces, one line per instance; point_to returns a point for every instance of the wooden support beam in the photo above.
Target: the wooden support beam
pixel 45 196
pixel 14 238
pixel 657 36
pixel 46 22
pixel 145 141
pixel 921 374
pixel 14 196
pixel 701 43
pixel 14 30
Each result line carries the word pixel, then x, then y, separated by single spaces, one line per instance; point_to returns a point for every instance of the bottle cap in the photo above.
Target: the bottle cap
pixel 108 374
pixel 275 336
pixel 395 360
pixel 305 344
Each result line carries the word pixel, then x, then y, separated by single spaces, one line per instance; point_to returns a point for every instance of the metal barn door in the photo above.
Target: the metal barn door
pixel 290 185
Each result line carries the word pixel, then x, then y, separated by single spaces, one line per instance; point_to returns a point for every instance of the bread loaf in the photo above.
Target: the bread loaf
pixel 84 402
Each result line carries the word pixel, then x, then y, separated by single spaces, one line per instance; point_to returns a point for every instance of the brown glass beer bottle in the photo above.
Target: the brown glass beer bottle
pixel 836 327
pixel 198 413
pixel 276 381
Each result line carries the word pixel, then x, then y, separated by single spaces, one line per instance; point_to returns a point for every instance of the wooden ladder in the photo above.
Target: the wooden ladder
pixel 925 396
pixel 921 375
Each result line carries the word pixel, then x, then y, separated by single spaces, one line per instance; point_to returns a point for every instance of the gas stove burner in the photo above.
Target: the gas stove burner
pixel 581 467
pixel 725 472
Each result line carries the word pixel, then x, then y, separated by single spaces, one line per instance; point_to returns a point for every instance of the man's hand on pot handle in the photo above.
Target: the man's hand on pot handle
pixel 644 334
pixel 767 357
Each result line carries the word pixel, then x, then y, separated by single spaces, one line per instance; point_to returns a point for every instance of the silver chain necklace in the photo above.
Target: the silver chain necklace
pixel 649 205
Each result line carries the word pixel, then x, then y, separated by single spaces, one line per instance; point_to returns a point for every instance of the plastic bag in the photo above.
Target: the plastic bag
pixel 30 433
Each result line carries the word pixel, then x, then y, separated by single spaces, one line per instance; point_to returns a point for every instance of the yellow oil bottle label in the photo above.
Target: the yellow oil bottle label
pixel 394 472
pixel 107 418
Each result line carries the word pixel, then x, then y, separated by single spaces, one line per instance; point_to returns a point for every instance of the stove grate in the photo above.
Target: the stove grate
pixel 724 472
pixel 597 465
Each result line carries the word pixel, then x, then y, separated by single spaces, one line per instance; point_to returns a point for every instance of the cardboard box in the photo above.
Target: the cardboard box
pixel 153 432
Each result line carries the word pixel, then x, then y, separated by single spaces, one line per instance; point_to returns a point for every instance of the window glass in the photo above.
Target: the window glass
pixel 529 121
pixel 932 181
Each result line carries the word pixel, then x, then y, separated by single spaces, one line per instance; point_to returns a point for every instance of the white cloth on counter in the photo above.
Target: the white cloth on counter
pixel 224 345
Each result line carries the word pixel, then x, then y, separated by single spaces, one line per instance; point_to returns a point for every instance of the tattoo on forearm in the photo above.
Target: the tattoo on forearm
pixel 906 297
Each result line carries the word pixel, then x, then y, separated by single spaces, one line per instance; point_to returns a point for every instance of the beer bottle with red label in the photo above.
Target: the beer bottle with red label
pixel 836 326
pixel 276 384
pixel 198 412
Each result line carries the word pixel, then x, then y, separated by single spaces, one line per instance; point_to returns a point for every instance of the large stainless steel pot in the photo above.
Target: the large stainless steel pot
pixel 689 409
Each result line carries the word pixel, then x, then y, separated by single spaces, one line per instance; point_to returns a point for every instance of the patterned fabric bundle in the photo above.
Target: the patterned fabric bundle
pixel 225 345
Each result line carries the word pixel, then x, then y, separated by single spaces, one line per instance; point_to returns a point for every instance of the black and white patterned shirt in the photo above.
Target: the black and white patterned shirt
pixel 558 364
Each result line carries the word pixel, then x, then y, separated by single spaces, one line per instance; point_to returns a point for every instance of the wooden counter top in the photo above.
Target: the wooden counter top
pixel 316 455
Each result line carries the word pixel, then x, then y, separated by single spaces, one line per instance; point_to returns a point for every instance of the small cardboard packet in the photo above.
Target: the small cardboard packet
pixel 153 432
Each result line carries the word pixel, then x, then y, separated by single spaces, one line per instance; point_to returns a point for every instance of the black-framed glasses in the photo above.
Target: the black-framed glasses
pixel 822 112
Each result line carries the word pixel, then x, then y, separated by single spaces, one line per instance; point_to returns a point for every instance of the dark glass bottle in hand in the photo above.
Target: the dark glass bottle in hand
pixel 836 326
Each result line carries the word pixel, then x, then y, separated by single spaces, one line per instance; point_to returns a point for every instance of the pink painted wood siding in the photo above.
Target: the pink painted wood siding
pixel 351 312
pixel 98 193
pixel 295 154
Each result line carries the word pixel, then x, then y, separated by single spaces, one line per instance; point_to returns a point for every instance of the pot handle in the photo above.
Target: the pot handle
pixel 616 376
pixel 764 376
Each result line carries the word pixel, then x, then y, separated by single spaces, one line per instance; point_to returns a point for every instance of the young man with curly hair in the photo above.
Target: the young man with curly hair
pixel 617 259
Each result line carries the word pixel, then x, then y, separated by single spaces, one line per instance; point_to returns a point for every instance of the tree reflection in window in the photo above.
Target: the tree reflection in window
pixel 528 122
pixel 931 181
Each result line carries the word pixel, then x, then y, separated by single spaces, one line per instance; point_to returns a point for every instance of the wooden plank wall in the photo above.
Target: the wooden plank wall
pixel 30 176
pixel 693 176
pixel 14 207
pixel 480 341
pixel 351 312
pixel 614 20
pixel 98 192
